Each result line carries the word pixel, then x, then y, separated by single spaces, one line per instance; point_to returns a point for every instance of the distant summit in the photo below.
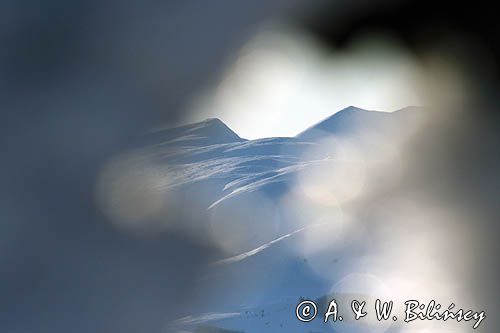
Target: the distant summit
pixel 208 132
pixel 354 120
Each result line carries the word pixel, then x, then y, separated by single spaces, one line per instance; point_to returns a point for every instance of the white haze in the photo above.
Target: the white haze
pixel 282 81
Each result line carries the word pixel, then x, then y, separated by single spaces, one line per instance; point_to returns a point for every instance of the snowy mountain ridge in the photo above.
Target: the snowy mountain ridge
pixel 210 150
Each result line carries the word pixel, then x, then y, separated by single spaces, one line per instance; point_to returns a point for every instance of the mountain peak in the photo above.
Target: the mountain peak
pixel 207 132
pixel 352 108
pixel 214 121
pixel 350 120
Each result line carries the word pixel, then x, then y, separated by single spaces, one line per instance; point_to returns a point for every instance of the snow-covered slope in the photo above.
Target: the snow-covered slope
pixel 248 197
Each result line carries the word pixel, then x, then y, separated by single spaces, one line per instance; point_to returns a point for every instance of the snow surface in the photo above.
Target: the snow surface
pixel 215 172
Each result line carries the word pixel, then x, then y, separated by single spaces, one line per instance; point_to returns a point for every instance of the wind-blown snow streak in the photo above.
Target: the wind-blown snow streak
pixel 261 248
pixel 243 167
pixel 256 182
pixel 203 318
